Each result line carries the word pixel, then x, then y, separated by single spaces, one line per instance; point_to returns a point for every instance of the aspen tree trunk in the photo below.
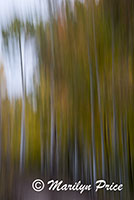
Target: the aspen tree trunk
pixel 92 115
pixel 93 146
pixel 114 108
pixel 0 130
pixel 52 86
pixel 41 145
pixel 22 143
pixel 99 95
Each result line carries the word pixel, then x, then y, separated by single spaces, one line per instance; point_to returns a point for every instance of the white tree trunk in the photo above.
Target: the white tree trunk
pixel 52 86
pixel 22 143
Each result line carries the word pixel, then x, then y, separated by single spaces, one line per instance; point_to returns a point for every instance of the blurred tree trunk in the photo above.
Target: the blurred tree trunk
pixel 113 92
pixel 0 129
pixel 92 161
pixel 22 145
pixel 92 114
pixel 99 95
pixel 41 145
pixel 52 84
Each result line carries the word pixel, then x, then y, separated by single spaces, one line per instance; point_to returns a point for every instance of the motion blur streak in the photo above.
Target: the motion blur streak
pixel 67 96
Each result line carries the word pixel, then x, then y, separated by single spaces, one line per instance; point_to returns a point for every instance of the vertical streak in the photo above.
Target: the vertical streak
pixel 22 145
pixel 52 83
pixel 99 95
pixel 92 115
